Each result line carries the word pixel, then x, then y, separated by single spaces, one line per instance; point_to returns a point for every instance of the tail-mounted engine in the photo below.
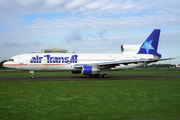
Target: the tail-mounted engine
pixel 130 48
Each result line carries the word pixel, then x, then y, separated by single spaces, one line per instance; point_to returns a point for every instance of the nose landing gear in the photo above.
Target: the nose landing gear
pixel 32 74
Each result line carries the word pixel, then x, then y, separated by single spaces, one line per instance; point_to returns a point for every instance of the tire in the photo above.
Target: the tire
pixel 91 76
pixel 105 76
pixel 100 76
pixel 32 76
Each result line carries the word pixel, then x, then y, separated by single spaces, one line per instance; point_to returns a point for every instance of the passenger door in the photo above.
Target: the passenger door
pixel 21 60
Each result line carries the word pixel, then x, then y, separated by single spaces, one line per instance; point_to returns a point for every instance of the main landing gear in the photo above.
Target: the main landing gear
pixel 32 74
pixel 99 76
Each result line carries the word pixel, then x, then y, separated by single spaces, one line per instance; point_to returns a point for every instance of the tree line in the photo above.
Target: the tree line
pixel 156 66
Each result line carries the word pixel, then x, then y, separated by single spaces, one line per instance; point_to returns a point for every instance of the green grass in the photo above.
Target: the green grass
pixel 117 99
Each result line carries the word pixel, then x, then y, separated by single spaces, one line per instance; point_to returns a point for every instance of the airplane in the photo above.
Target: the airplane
pixel 90 64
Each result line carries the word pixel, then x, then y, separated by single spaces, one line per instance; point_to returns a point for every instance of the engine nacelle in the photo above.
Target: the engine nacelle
pixel 89 70
pixel 130 48
pixel 75 72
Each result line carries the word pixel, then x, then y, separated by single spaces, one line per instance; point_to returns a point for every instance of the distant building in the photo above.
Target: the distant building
pixel 54 51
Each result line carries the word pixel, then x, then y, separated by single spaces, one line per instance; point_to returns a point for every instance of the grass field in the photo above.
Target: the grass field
pixel 117 99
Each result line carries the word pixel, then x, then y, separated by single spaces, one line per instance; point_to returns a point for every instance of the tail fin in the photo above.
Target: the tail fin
pixel 150 45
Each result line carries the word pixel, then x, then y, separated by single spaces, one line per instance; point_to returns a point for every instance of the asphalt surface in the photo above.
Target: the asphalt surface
pixel 85 78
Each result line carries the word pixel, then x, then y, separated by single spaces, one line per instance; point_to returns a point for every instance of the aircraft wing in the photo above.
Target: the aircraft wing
pixel 126 62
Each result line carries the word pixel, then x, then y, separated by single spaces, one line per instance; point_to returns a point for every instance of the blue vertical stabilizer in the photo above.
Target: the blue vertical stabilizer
pixel 150 45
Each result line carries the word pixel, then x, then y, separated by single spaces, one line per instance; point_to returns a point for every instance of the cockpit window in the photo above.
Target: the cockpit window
pixel 11 60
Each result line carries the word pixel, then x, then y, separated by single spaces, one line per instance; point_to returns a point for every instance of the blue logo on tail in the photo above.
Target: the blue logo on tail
pixel 150 45
pixel 147 46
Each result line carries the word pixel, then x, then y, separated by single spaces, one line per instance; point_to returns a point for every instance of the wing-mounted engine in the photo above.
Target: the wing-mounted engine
pixel 89 70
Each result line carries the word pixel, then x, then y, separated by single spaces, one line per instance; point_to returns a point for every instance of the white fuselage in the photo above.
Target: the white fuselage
pixel 67 61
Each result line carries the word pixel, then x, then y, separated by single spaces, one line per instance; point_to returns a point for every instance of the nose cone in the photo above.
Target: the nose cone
pixel 5 64
pixel 8 65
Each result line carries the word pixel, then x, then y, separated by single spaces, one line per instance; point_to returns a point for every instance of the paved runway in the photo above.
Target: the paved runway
pixel 85 78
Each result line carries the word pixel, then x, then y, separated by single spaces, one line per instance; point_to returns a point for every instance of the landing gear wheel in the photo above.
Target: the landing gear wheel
pixel 100 76
pixel 32 76
pixel 91 76
pixel 105 76
pixel 96 75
